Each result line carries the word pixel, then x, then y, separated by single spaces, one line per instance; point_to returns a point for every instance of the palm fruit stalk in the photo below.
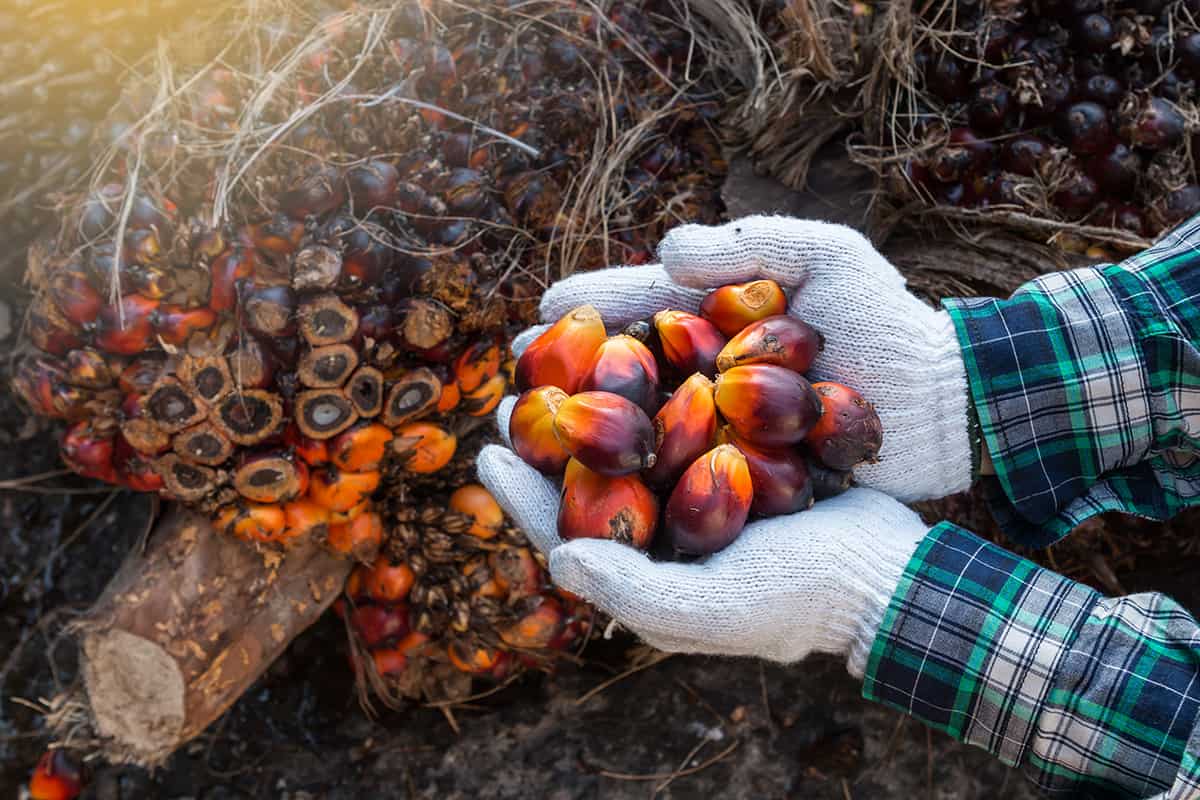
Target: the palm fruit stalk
pixel 286 300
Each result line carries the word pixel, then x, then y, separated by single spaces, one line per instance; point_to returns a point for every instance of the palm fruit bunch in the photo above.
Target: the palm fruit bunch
pixel 1077 111
pixel 705 418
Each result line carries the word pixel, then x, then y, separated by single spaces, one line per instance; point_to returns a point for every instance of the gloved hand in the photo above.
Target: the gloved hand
pixel 901 354
pixel 816 581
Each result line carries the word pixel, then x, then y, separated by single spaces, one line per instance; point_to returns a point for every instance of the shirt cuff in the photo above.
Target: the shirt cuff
pixel 972 639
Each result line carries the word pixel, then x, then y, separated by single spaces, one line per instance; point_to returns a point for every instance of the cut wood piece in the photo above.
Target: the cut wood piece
pixel 412 395
pixel 203 444
pixel 327 320
pixel 184 628
pixel 172 406
pixel 250 416
pixel 365 391
pixel 328 366
pixel 322 413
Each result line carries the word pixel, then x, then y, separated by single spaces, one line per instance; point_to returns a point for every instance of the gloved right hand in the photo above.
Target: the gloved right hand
pixel 901 354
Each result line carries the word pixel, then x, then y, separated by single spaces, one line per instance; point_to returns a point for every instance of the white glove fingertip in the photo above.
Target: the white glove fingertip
pixel 528 497
pixel 523 339
pixel 503 415
pixel 620 294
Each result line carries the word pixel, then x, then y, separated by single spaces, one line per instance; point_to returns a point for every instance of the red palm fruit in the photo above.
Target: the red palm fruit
pixel 340 490
pixel 320 190
pixel 538 626
pixel 472 659
pixel 515 571
pixel 142 373
pixel 386 582
pixel 39 383
pixel 708 507
pixel 372 185
pixel 483 401
pixel 605 432
pixel 531 429
pixel 233 265
pixel 126 329
pixel 278 236
pixel 683 429
pixel 595 506
pixel 49 330
pixel 359 538
pixel 88 452
pixel 393 660
pixel 252 522
pixel 781 340
pixel 175 324
pixel 689 343
pixel 782 484
pixel 766 404
pixel 626 367
pixel 88 368
pixel 315 452
pixel 74 295
pixel 140 430
pixel 57 777
pixel 376 624
pixel 270 477
pixel 423 447
pixel 477 503
pixel 731 308
pixel 828 482
pixel 559 357
pixel 849 431
pixel 361 448
pixel 303 517
pixel 479 363
pixel 134 469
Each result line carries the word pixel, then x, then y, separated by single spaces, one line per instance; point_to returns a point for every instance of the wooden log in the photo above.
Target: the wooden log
pixel 186 627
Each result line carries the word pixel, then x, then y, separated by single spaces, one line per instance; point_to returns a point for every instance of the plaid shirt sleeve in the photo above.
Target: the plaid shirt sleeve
pixel 1090 696
pixel 1086 384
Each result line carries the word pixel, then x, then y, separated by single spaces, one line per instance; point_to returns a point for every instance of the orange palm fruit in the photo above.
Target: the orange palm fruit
pixel 708 507
pixel 386 582
pixel 57 777
pixel 767 405
pixel 423 447
pixel 605 432
pixel 449 398
pixel 516 571
pixel 175 324
pixel 782 483
pixel 731 308
pixel 253 522
pixel 783 341
pixel 476 502
pixel 849 431
pixel 472 659
pixel 479 363
pixel 537 627
pixel 531 429
pixel 689 343
pixel 486 397
pixel 303 517
pixel 125 329
pixel 683 429
pixel 559 357
pixel 341 490
pixel 314 452
pixel 626 367
pixel 89 452
pixel 595 506
pixel 361 448
pixel 393 660
pixel 227 269
pixel 359 539
pixel 350 514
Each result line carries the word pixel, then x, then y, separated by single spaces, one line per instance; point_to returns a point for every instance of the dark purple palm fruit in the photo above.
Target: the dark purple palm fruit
pixel 1174 88
pixel 990 107
pixel 1006 192
pixel 1077 195
pixel 1044 93
pixel 1150 122
pixel 998 39
pixel 1181 204
pixel 1117 170
pixel 1025 154
pixel 1128 218
pixel 1094 33
pixel 1156 54
pixel 1084 128
pixel 1088 65
pixel 963 154
pixel 1103 89
pixel 1188 51
pixel 947 78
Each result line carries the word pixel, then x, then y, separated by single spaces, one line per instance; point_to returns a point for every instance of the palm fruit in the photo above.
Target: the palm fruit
pixel 689 343
pixel 531 429
pixel 827 482
pixel 708 507
pixel 58 776
pixel 683 429
pixel 849 431
pixel 595 506
pixel 561 355
pixel 731 308
pixel 781 340
pixel 780 475
pixel 767 405
pixel 624 366
pixel 605 432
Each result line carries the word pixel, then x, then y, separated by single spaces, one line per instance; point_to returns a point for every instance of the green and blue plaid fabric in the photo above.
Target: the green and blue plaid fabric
pixel 1087 387
pixel 1091 696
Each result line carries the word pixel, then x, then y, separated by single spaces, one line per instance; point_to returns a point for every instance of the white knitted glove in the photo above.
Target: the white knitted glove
pixel 900 353
pixel 816 581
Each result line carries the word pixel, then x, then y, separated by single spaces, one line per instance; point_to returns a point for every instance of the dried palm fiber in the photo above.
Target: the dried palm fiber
pixel 326 238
